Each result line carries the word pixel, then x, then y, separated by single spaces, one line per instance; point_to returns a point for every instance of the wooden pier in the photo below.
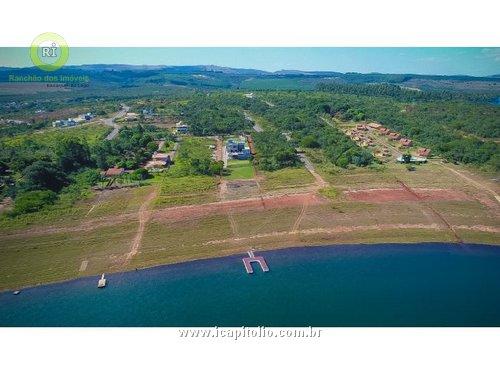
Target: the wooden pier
pixel 247 262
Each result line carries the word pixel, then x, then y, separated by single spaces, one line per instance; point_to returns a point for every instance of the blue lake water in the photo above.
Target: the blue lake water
pixel 342 285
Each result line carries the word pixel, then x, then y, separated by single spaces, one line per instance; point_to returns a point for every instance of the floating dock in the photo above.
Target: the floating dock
pixel 102 282
pixel 247 262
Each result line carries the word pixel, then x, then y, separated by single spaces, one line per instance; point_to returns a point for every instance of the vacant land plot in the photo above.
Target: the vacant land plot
pixel 402 195
pixel 182 240
pixel 47 258
pixel 115 202
pixel 240 170
pixel 286 178
pixel 243 205
pixel 176 191
pixel 239 189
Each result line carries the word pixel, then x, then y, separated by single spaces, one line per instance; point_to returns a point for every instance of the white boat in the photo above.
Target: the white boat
pixel 102 282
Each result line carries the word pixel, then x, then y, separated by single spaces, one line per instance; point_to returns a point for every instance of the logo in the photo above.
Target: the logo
pixel 49 52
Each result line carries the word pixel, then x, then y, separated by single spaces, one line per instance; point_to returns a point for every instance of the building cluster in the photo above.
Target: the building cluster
pixel 73 121
pixel 393 136
pixel 238 149
pixel 360 136
pixel 161 160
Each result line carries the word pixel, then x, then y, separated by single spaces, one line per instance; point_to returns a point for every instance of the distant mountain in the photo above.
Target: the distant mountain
pixel 219 77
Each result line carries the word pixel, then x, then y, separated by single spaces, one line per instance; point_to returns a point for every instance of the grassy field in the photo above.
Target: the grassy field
pixel 92 133
pixel 286 178
pixel 184 240
pixel 68 213
pixel 175 191
pixel 240 170
pixel 31 260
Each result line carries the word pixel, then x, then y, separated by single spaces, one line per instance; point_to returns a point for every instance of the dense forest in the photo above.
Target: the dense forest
pixel 212 114
pixel 274 152
pixel 401 92
pixel 36 169
pixel 300 116
pixel 457 130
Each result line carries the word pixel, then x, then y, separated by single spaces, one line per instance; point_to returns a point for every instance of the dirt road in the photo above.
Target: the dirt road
pixel 144 216
pixel 320 182
pixel 476 183
pixel 256 126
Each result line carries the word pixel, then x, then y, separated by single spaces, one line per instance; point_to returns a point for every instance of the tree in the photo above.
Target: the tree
pixel 140 174
pixel 43 175
pixel 216 167
pixel 406 158
pixel 342 162
pixel 72 155
pixel 309 141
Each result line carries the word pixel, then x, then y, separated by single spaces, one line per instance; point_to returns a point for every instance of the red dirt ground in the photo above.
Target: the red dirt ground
pixel 241 205
pixel 404 195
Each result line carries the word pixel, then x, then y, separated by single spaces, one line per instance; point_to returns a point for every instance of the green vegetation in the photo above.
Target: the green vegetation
pixel 299 114
pixel 398 92
pixel 64 162
pixel 457 130
pixel 195 158
pixel 32 201
pixel 213 114
pixel 240 170
pixel 331 193
pixel 186 190
pixel 286 178
pixel 132 147
pixel 273 151
pixel 190 180
pixel 285 83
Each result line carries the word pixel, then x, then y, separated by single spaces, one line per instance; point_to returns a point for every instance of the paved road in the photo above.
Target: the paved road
pixel 111 122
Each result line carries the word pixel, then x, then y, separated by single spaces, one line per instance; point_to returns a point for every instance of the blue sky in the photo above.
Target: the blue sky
pixel 447 61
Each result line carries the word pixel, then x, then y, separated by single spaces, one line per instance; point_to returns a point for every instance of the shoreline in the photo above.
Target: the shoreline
pixel 292 248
